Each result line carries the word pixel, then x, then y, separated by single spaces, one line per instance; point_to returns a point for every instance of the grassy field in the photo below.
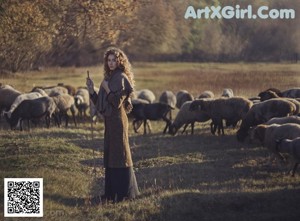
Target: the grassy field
pixel 186 177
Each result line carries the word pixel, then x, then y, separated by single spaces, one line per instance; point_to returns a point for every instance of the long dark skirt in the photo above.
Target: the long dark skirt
pixel 120 184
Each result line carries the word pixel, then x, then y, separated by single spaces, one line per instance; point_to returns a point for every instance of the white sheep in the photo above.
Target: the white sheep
pixel 266 95
pixel 8 94
pixel 182 96
pixel 139 101
pixel 227 92
pixel 274 92
pixel 185 117
pixel 284 120
pixel 82 101
pixel 277 120
pixel 230 109
pixel 53 90
pixel 292 147
pixel 255 100
pixel 297 105
pixel 71 89
pixel 145 94
pixel 268 134
pixel 262 112
pixel 292 93
pixel 169 98
pixel 64 103
pixel 206 94
pixel 41 91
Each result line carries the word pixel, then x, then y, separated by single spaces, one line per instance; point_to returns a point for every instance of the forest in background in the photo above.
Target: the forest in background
pixel 42 33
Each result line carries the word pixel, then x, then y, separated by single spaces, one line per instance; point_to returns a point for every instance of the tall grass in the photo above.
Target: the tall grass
pixel 186 177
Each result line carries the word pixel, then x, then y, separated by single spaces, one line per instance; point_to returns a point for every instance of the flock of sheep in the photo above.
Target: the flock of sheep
pixel 43 102
pixel 272 117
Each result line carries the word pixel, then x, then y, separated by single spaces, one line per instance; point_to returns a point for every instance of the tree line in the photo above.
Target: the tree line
pixel 35 33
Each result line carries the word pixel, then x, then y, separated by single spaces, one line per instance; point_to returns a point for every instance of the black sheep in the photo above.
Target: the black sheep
pixel 155 111
pixel 33 109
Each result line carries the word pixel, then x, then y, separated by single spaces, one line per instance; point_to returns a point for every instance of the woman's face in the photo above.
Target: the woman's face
pixel 112 62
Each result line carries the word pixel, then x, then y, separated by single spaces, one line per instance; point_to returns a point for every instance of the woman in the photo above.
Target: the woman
pixel 113 102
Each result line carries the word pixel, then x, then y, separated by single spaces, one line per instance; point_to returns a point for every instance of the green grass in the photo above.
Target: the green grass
pixel 186 177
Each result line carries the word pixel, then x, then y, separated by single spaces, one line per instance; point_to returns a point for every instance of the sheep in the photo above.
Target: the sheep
pixel 254 100
pixel 82 101
pixel 276 90
pixel 296 103
pixel 168 97
pixel 139 100
pixel 139 123
pixel 230 109
pixel 292 147
pixel 269 93
pixel 283 120
pixel 183 96
pixel 33 109
pixel 185 117
pixel 206 94
pixel 64 103
pixel 41 91
pixel 145 94
pixel 268 134
pixel 7 96
pixel 154 111
pixel 227 92
pixel 71 89
pixel 262 112
pixel 53 90
pixel 26 96
pixel 277 120
pixel 94 113
pixel 292 93
pixel 266 95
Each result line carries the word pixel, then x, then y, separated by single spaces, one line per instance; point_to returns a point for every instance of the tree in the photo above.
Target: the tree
pixel 64 32
pixel 24 34
pixel 156 30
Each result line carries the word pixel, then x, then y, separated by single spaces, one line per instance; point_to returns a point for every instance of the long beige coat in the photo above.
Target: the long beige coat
pixel 116 144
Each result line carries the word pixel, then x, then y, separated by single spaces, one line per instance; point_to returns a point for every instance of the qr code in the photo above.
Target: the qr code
pixel 23 197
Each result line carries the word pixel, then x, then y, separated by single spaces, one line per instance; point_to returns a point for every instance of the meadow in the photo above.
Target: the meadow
pixel 183 177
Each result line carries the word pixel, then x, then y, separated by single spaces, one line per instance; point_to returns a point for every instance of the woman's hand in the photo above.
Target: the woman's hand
pixel 90 85
pixel 104 84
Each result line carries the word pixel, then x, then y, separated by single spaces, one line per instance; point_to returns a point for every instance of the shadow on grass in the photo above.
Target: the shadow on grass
pixel 96 190
pixel 154 145
pixel 67 201
pixel 276 205
pixel 97 162
pixel 95 144
pixel 213 175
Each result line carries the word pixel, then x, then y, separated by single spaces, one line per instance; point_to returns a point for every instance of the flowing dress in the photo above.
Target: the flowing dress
pixel 120 180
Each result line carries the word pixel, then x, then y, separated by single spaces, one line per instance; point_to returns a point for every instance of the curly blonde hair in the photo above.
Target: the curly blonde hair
pixel 122 63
